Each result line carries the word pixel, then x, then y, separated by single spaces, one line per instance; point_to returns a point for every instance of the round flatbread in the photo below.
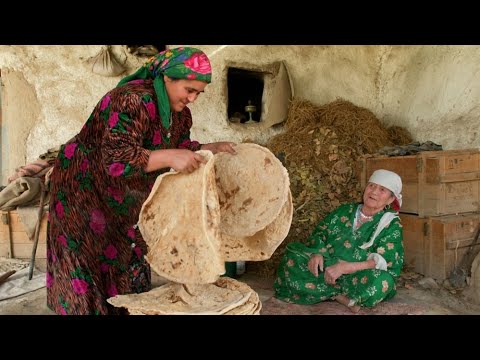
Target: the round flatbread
pixel 262 244
pixel 252 186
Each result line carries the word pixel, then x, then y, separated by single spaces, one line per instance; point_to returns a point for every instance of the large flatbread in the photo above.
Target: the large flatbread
pixel 262 244
pixel 180 223
pixel 252 186
pixel 178 299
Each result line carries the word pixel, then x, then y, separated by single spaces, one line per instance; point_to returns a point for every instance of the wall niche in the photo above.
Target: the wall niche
pixel 257 96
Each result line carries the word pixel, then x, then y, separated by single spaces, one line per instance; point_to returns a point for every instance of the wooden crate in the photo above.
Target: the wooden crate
pixel 435 245
pixel 434 182
pixel 21 244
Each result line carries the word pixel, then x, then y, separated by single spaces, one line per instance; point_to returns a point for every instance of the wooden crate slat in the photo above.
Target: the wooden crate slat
pixel 435 245
pixel 434 182
pixel 21 243
pixel 24 251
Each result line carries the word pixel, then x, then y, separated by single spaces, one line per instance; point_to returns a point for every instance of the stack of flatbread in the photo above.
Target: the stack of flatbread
pixel 234 207
pixel 224 297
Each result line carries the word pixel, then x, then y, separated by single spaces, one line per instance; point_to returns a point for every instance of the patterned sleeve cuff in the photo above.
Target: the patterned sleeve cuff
pixel 190 145
pixel 197 146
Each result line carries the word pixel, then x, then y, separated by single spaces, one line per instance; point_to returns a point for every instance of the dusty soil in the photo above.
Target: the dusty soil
pixel 416 295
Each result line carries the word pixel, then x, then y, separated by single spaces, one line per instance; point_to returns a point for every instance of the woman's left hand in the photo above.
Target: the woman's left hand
pixel 222 146
pixel 332 273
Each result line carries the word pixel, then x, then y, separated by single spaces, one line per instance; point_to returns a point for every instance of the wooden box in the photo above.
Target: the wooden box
pixel 435 245
pixel 18 240
pixel 434 182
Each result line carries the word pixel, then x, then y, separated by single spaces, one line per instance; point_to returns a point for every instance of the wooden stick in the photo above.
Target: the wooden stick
pixel 10 239
pixel 37 231
pixel 5 276
pixel 6 221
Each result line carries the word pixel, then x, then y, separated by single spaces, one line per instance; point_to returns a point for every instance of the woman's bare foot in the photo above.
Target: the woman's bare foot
pixel 342 299
pixel 355 308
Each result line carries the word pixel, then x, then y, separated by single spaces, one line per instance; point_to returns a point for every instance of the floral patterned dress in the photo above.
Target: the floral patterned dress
pixel 97 188
pixel 335 239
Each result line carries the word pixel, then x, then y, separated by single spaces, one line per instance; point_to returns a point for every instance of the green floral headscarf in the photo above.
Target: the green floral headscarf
pixel 180 63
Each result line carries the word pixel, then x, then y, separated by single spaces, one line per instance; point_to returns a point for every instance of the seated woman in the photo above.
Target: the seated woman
pixel 353 256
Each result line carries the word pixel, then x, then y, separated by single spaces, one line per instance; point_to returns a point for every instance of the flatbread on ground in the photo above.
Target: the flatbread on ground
pixel 178 299
pixel 250 306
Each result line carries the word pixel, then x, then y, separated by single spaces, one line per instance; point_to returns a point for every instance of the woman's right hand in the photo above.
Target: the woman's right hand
pixel 185 161
pixel 181 160
pixel 315 263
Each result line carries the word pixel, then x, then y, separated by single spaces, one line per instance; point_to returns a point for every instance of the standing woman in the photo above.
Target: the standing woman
pixel 102 176
pixel 354 255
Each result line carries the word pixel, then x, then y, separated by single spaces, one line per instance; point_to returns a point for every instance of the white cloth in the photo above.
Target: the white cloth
pixel 380 262
pixel 390 180
pixel 384 221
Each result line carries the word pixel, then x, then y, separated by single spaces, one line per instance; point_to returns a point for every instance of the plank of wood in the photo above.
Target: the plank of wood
pixel 24 251
pixel 21 237
pixel 467 176
pixel 16 223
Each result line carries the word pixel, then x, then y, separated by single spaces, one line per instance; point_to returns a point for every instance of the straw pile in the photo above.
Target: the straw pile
pixel 399 135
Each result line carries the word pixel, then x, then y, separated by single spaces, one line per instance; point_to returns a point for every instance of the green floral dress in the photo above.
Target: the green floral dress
pixel 336 239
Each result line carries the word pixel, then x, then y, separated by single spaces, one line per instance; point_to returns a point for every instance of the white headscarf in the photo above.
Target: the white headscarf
pixel 390 180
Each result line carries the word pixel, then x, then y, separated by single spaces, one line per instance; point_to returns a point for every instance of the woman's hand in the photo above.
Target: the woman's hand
pixel 315 263
pixel 181 160
pixel 332 273
pixel 223 146
pixel 185 161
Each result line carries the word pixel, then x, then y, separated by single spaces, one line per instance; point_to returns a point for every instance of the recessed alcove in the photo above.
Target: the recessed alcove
pixel 257 95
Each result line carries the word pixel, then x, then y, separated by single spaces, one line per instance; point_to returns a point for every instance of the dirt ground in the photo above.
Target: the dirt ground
pixel 416 296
